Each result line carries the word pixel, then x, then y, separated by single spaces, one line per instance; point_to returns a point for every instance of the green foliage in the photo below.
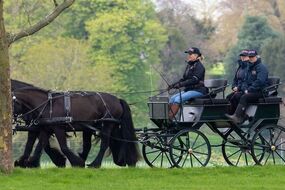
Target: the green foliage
pixel 273 52
pixel 214 178
pixel 21 14
pixel 254 33
pixel 83 11
pixel 126 41
pixel 59 64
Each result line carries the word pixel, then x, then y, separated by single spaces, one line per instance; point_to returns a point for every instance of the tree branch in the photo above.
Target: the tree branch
pixel 41 24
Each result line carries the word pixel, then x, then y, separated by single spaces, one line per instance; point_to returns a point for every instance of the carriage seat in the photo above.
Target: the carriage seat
pixel 271 89
pixel 270 92
pixel 209 101
pixel 215 87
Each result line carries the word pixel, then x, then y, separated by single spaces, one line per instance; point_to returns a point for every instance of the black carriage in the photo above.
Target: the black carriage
pixel 180 143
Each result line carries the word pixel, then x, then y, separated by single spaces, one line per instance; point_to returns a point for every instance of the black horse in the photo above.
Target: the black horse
pixel 34 132
pixel 111 114
pixel 25 160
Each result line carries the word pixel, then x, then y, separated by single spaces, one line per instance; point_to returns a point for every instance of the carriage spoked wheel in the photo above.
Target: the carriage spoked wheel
pixel 272 150
pixel 194 152
pixel 237 151
pixel 155 152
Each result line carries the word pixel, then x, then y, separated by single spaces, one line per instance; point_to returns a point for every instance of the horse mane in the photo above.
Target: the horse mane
pixel 20 85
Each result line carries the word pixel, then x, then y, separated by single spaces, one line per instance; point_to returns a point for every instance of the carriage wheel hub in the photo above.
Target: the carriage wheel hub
pixel 273 148
pixel 190 151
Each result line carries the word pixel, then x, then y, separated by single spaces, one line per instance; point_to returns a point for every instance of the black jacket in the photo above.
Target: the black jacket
pixel 257 76
pixel 193 77
pixel 240 76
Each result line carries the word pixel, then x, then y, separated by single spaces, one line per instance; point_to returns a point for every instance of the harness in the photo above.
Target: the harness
pixel 66 119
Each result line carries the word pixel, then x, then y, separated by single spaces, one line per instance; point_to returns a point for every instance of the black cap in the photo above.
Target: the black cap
pixel 244 52
pixel 193 50
pixel 252 53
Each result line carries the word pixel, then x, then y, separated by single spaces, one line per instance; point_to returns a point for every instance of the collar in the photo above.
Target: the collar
pixel 251 65
pixel 192 62
pixel 242 64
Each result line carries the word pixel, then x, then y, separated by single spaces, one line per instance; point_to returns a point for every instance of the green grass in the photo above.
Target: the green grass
pixel 270 177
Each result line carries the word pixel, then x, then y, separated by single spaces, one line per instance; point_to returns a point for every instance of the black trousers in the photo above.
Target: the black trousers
pixel 236 98
pixel 233 98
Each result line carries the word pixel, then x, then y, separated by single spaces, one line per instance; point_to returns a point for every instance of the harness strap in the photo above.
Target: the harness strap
pixel 105 105
pixel 67 103
pixel 50 103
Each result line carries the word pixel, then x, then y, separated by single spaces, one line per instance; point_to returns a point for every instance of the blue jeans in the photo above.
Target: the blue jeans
pixel 175 99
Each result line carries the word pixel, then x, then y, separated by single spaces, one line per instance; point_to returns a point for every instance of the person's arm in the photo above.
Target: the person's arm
pixel 260 82
pixel 235 81
pixel 199 73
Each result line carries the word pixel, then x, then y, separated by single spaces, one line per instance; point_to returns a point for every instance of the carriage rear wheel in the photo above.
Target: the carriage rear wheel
pixel 273 148
pixel 236 150
pixel 194 152
pixel 155 152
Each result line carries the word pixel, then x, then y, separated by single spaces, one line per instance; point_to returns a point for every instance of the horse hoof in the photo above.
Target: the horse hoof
pixel 20 163
pixel 33 163
pixel 93 166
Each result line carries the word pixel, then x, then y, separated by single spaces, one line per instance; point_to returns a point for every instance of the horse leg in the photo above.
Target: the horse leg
pixel 34 161
pixel 105 139
pixel 86 137
pixel 61 137
pixel 55 155
pixel 32 136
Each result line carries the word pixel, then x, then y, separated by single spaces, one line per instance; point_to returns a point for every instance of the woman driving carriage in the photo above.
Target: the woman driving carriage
pixel 192 81
pixel 255 80
pixel 238 85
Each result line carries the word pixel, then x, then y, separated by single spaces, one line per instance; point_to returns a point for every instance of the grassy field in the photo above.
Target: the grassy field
pixel 270 177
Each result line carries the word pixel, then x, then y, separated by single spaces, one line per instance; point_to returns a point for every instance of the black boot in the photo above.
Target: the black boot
pixel 238 116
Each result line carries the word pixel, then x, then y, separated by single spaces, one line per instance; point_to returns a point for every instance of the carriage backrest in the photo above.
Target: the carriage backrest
pixel 273 84
pixel 216 85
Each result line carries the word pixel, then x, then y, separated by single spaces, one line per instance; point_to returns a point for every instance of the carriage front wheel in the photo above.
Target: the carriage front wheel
pixel 194 152
pixel 273 148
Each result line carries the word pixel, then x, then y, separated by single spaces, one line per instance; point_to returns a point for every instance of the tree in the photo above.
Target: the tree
pixel 253 35
pixel 231 17
pixel 184 30
pixel 126 41
pixel 6 39
pixel 70 58
pixel 273 52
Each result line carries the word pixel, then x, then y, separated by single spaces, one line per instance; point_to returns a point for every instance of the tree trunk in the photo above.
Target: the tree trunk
pixel 6 164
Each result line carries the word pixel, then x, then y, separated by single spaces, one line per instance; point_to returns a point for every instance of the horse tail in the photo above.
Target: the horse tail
pixel 130 149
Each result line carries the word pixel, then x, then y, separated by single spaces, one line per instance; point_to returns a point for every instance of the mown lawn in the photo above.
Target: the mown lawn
pixel 272 177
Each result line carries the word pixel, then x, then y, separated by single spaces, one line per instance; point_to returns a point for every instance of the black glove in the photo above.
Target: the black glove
pixel 170 87
pixel 177 85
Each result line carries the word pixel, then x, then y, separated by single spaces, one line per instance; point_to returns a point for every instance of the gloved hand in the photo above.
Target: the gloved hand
pixel 177 85
pixel 170 87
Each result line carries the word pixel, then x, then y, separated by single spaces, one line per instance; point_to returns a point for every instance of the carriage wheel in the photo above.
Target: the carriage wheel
pixel 156 152
pixel 236 151
pixel 195 152
pixel 273 148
